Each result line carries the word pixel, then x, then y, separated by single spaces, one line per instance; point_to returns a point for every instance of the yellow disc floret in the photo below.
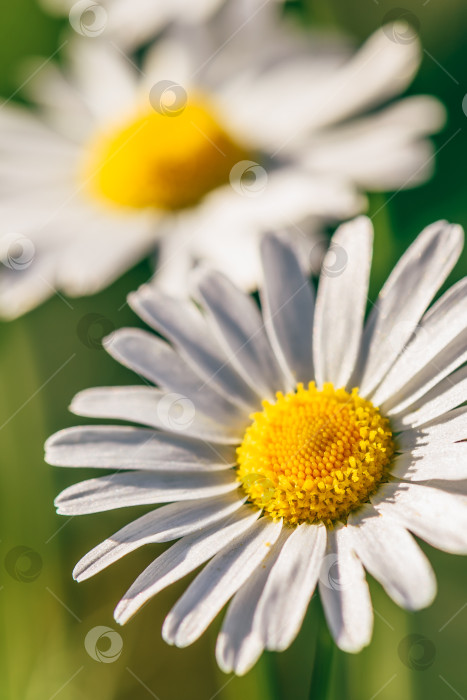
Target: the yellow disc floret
pixel 314 455
pixel 165 161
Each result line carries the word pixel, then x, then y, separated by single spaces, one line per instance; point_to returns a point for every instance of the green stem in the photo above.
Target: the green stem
pixel 323 662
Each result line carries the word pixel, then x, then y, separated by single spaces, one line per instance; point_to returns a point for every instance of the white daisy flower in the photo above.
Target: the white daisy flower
pixel 214 144
pixel 297 446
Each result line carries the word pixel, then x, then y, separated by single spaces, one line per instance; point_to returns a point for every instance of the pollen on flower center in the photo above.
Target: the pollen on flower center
pixel 314 455
pixel 165 161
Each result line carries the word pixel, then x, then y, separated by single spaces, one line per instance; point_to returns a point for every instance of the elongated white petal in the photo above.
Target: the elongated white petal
pixel 162 525
pixel 438 517
pixel 385 151
pixel 450 464
pixel 220 579
pixel 415 279
pixel 107 81
pixel 437 348
pixel 240 643
pixel 288 305
pixel 381 68
pixel 344 594
pixel 140 404
pixel 125 447
pixel 139 488
pixel 341 302
pixel 439 433
pixel 448 394
pixel 393 557
pixel 155 360
pixel 184 326
pixel 182 558
pixel 290 586
pixel 239 327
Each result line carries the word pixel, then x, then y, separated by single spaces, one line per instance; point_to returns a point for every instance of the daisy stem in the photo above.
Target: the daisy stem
pixel 323 662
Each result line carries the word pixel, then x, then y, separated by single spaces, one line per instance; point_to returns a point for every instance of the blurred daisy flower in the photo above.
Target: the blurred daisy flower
pixel 215 142
pixel 297 446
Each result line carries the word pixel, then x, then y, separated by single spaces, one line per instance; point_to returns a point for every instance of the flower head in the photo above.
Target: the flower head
pixel 209 145
pixel 297 445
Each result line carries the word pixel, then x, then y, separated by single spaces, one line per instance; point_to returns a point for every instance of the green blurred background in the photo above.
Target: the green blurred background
pixel 54 351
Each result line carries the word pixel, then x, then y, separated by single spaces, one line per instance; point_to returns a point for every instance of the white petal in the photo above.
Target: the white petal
pixel 385 151
pixel 125 447
pixel 381 69
pixel 185 327
pixel 446 395
pixel 341 302
pixel 450 464
pixel 140 488
pixel 239 643
pixel 288 306
pixel 240 330
pixel 162 525
pixel 393 557
pixel 438 434
pixel 156 361
pixel 290 586
pixel 218 581
pixel 405 296
pixel 438 343
pixel 106 78
pixel 183 557
pixel 140 404
pixel 345 595
pixel 438 517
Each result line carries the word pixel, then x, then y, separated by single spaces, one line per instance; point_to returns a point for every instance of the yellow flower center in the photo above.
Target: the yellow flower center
pixel 162 160
pixel 314 456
